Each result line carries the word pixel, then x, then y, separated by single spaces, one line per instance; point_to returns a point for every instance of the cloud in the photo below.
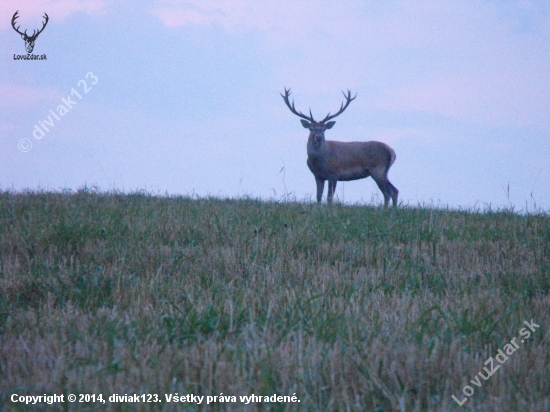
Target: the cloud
pixel 475 62
pixel 31 11
pixel 228 14
pixel 20 97
pixel 189 13
pixel 502 98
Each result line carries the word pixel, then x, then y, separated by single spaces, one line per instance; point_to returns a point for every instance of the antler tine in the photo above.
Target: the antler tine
pixel 43 26
pixel 343 106
pixel 293 109
pixel 14 18
pixel 46 22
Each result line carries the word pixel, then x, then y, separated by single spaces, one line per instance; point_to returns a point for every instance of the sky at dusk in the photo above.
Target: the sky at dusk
pixel 182 97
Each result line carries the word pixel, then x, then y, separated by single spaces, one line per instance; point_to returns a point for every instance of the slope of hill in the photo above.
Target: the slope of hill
pixel 346 307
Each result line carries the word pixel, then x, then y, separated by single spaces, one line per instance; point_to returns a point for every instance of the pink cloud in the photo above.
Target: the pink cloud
pixel 14 96
pixel 265 15
pixel 31 11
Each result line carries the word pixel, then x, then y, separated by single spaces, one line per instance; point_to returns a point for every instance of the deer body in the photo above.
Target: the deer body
pixel 344 161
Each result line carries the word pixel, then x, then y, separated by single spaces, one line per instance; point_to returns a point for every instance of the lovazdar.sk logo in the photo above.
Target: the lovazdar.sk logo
pixel 29 39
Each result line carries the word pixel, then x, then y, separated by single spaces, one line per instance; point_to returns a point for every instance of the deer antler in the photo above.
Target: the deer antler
pixel 43 26
pixel 293 109
pixel 34 33
pixel 343 107
pixel 15 16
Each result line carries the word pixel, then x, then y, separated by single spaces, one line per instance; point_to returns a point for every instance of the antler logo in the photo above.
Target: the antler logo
pixel 29 40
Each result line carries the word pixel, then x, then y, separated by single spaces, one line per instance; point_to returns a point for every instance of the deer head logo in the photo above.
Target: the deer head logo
pixel 29 40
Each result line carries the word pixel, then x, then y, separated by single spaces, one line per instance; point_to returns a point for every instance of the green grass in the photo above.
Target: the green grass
pixel 351 308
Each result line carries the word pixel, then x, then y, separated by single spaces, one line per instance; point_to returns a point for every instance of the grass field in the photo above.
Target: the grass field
pixel 349 308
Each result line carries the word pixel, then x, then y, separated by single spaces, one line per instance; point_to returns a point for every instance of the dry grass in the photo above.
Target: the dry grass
pixel 352 308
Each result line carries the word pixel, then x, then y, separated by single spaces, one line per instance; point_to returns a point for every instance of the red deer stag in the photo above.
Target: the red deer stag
pixel 334 161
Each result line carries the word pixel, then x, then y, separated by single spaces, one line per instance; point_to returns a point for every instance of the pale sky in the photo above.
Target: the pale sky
pixel 184 96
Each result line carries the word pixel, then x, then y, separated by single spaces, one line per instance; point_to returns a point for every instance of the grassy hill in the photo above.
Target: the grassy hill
pixel 350 308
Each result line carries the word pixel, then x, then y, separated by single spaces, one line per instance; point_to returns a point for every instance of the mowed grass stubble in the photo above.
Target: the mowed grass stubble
pixel 351 308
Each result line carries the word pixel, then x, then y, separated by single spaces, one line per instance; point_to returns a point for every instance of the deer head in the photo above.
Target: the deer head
pixel 29 40
pixel 317 129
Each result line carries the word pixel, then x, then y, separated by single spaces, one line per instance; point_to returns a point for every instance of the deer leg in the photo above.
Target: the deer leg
pixel 384 186
pixel 320 189
pixel 394 193
pixel 331 190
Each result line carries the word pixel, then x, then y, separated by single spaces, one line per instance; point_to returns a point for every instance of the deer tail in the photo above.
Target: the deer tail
pixel 391 160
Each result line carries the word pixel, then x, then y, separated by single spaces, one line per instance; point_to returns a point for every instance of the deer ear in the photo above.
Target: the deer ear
pixel 328 125
pixel 306 124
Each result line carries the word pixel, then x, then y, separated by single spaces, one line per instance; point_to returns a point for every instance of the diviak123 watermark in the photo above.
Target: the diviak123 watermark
pixel 66 105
